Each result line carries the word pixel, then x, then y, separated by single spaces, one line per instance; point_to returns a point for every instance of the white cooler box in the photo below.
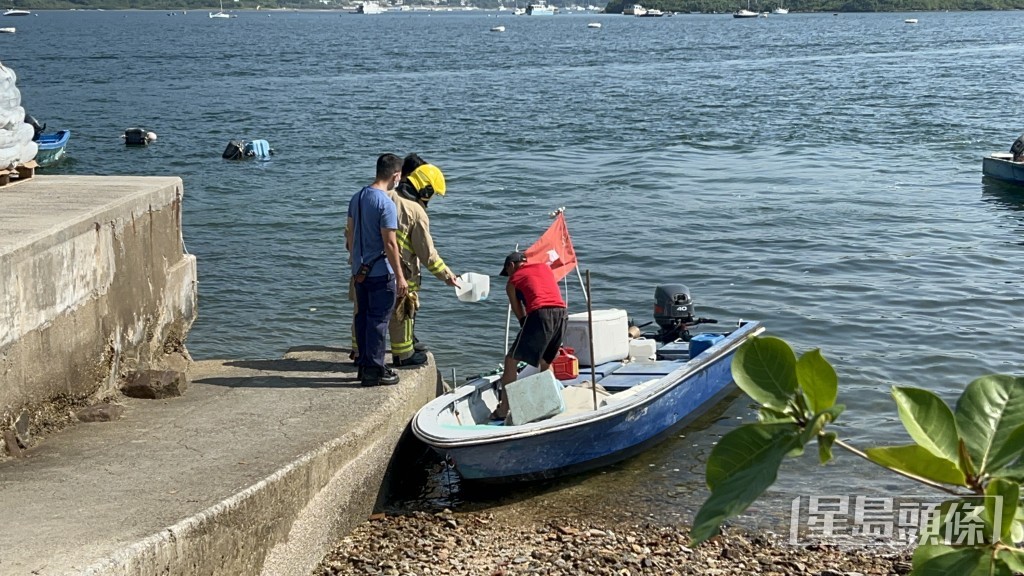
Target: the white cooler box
pixel 611 336
pixel 534 398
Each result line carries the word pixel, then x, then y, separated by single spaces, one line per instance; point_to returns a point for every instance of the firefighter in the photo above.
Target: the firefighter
pixel 419 183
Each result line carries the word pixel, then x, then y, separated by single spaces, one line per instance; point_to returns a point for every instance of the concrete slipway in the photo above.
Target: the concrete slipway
pixel 257 469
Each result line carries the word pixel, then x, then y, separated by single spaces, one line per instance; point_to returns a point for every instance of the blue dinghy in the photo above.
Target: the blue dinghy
pixel 638 403
pixel 52 147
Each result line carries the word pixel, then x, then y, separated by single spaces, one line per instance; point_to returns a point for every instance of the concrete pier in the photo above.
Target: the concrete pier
pixel 257 470
pixel 94 284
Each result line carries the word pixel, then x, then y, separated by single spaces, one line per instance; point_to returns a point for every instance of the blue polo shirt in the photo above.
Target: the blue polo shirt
pixel 371 210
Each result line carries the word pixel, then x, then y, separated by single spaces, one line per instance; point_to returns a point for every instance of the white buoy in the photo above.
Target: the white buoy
pixel 594 25
pixel 498 29
pixel 151 136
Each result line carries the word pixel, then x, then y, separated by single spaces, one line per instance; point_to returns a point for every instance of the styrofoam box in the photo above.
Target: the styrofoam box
pixel 611 336
pixel 535 398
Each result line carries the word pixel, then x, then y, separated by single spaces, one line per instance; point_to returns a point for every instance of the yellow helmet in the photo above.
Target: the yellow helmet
pixel 427 180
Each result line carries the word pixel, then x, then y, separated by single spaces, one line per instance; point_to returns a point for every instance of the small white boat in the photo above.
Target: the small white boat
pixel 10 30
pixel 594 25
pixel 369 7
pixel 634 10
pixel 780 10
pixel 497 29
pixel 910 21
pixel 744 14
pixel 16 12
pixel 220 14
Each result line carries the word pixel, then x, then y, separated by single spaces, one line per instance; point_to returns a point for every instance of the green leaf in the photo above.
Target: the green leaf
pixel 928 421
pixel 1014 472
pixel 914 459
pixel 818 380
pixel 1012 449
pixel 768 415
pixel 818 421
pixel 1001 497
pixel 988 412
pixel 825 442
pixel 942 560
pixel 745 447
pixel 765 368
pixel 1013 558
pixel 734 494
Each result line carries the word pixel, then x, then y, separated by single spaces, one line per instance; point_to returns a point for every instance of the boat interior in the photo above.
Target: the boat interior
pixel 615 382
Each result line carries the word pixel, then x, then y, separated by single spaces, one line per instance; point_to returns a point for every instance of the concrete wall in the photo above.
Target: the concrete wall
pixel 94 283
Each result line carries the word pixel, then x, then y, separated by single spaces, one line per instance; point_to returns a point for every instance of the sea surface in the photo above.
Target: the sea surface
pixel 820 173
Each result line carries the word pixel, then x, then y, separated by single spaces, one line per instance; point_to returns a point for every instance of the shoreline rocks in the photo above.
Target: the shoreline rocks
pixel 489 544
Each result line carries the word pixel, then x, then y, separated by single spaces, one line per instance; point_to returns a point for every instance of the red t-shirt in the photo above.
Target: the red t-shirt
pixel 537 284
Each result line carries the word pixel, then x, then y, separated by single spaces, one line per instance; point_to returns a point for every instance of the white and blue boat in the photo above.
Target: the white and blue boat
pixel 540 9
pixel 637 403
pixel 52 147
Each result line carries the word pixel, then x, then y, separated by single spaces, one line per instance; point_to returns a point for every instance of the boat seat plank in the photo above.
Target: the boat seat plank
pixel 674 351
pixel 618 382
pixel 658 368
pixel 601 370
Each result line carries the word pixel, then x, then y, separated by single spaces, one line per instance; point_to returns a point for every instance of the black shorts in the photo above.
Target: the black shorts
pixel 540 336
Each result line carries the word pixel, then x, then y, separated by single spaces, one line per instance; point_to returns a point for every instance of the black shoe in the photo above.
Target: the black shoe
pixel 417 345
pixel 378 377
pixel 417 359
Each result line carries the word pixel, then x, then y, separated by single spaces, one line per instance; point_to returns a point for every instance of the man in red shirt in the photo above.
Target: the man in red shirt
pixel 537 303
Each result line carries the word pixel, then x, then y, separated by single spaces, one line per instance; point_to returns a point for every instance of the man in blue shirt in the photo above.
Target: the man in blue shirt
pixel 376 270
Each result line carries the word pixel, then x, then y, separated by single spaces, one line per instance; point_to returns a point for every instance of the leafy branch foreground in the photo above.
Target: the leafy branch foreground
pixel 975 453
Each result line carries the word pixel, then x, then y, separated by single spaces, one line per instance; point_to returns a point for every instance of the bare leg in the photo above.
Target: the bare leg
pixel 508 375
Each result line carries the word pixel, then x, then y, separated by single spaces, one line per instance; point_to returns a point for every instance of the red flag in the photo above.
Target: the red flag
pixel 555 249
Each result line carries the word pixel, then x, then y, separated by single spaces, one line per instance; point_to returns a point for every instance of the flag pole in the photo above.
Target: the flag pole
pixel 590 335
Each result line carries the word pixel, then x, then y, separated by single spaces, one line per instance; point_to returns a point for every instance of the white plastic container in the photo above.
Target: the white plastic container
pixel 643 349
pixel 535 398
pixel 473 287
pixel 611 336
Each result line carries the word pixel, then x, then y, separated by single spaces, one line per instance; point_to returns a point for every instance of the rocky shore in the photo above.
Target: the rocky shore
pixel 489 544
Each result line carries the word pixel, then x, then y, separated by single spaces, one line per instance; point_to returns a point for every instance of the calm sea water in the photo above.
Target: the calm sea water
pixel 820 173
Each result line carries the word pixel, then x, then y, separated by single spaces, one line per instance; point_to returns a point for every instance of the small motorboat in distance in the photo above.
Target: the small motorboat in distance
pixel 743 13
pixel 497 29
pixel 9 30
pixel 910 21
pixel 1006 166
pixel 594 25
pixel 16 12
pixel 52 147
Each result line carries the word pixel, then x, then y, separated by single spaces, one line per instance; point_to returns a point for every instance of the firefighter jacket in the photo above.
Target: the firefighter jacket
pixel 415 244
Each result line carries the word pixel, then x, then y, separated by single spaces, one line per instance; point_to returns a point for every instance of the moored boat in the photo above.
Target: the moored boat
pixel 1006 166
pixel 8 30
pixel 638 404
pixel 743 13
pixel 1000 165
pixel 16 12
pixel 635 390
pixel 540 9
pixel 52 147
pixel 369 7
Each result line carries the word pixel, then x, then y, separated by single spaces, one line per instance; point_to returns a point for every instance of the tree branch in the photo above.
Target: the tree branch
pixel 907 475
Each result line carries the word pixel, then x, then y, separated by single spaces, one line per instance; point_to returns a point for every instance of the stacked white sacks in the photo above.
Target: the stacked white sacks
pixel 16 145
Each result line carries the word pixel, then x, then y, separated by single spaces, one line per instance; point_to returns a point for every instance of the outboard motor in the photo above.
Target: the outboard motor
pixel 1017 149
pixel 35 126
pixel 235 150
pixel 673 312
pixel 136 137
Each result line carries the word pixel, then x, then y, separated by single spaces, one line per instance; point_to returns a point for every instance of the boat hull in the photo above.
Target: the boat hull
pixel 623 428
pixel 1001 167
pixel 52 147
